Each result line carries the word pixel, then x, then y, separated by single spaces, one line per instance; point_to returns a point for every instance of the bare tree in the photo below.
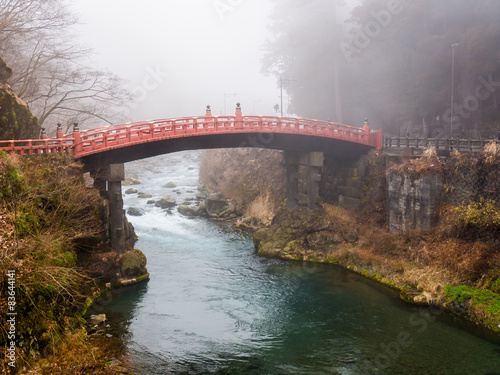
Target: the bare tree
pixel 22 19
pixel 55 78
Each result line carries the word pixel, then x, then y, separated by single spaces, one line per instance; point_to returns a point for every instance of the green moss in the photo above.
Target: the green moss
pixel 483 299
pixel 133 264
pixel 496 286
pixel 142 278
pixel 67 259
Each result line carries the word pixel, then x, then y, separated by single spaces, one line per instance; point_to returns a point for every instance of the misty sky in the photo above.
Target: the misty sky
pixel 180 55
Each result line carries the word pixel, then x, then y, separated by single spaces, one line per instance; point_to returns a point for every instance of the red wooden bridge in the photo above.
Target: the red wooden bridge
pixel 132 141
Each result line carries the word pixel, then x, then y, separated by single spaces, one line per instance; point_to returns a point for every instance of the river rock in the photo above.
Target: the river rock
pixel 201 196
pixel 97 319
pixel 188 210
pixel 133 264
pixel 216 206
pixel 131 181
pixel 144 196
pixel 166 202
pixel 131 191
pixel 170 185
pixel 133 211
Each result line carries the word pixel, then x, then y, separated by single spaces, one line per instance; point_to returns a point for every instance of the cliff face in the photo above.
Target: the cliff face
pixel 16 120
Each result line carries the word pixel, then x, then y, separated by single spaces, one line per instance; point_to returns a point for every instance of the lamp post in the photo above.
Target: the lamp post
pixel 452 86
pixel 225 100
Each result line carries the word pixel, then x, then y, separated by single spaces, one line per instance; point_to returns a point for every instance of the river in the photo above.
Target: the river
pixel 212 306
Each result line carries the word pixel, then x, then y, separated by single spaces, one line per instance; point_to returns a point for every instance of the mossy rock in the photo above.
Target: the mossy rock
pixel 133 264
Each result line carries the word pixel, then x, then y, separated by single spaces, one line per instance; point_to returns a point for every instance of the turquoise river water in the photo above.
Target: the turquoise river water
pixel 212 306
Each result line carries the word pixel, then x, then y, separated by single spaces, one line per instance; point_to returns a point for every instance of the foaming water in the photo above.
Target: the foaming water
pixel 213 306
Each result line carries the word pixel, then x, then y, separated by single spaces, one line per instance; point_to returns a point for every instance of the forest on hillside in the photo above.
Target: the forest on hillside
pixel 391 61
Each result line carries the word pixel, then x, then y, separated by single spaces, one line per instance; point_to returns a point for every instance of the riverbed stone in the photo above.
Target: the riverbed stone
pixel 131 191
pixel 131 181
pixel 187 210
pixel 134 211
pixel 166 202
pixel 170 185
pixel 144 196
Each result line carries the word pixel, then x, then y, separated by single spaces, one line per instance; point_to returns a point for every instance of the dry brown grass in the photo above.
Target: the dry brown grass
pixel 243 175
pixel 428 163
pixel 491 153
pixel 340 218
pixel 261 210
pixel 46 209
pixel 76 355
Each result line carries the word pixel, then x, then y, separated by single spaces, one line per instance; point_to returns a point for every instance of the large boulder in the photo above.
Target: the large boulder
pixel 133 264
pixel 191 211
pixel 16 120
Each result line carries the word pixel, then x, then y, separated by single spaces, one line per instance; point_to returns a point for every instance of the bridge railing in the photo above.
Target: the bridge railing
pixel 96 140
pixel 441 144
pixel 37 146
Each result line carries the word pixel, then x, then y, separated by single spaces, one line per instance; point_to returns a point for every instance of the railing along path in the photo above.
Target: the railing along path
pixel 440 144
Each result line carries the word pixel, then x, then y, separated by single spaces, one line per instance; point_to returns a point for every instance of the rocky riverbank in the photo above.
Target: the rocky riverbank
pixel 413 263
pixel 54 240
pixel 454 265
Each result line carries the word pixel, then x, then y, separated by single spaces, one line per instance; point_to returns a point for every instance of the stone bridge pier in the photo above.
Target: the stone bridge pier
pixel 303 173
pixel 109 183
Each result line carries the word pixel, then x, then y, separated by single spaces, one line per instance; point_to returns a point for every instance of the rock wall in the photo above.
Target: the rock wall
pixel 16 121
pixel 411 201
pixel 356 184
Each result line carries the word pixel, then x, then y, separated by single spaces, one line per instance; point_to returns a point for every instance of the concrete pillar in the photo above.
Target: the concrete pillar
pixel 302 182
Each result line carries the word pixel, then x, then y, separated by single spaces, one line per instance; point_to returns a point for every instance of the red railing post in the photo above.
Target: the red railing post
pixel 77 140
pixel 59 133
pixel 238 121
pixel 60 136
